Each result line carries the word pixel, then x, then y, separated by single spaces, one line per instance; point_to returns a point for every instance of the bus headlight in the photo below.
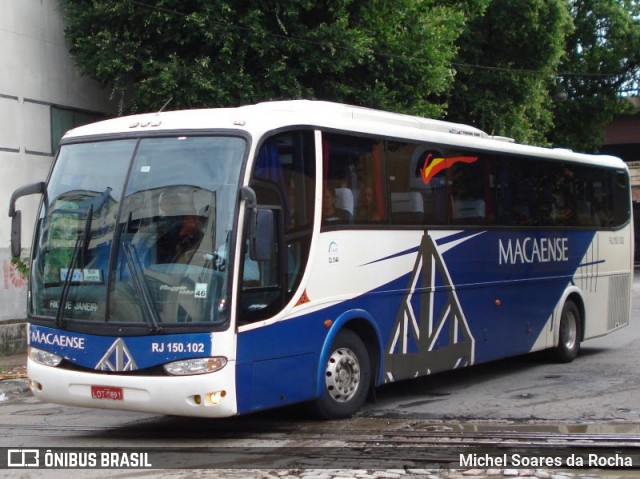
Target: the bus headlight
pixel 186 367
pixel 44 357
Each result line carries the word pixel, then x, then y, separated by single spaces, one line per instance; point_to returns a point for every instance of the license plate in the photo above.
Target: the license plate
pixel 106 392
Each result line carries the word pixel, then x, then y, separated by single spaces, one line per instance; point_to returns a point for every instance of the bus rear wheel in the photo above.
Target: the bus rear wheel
pixel 569 335
pixel 347 377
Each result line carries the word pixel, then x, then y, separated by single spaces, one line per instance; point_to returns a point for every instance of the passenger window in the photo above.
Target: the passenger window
pixel 418 184
pixel 353 186
pixel 469 189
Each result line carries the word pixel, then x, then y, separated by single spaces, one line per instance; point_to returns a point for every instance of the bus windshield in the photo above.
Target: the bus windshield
pixel 136 231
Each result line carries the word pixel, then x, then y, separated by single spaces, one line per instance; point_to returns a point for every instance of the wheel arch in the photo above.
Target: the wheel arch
pixel 574 295
pixel 362 323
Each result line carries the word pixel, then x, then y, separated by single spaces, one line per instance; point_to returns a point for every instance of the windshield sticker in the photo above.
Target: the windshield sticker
pixel 145 169
pixel 180 289
pixel 92 275
pixel 82 275
pixel 201 290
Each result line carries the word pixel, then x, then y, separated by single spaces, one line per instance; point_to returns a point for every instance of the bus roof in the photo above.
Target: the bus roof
pixel 263 117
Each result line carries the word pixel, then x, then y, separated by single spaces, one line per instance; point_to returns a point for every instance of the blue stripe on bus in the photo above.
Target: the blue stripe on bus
pixel 279 363
pixel 395 255
pixel 102 352
pixel 505 300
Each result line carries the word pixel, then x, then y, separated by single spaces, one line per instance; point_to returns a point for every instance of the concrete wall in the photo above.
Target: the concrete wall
pixel 37 74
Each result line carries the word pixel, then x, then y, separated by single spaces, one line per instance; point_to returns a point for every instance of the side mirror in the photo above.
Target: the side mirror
pixel 16 216
pixel 16 228
pixel 262 236
pixel 261 227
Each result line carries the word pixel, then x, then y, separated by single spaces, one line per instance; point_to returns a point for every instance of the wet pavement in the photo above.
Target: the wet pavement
pixel 14 387
pixel 405 474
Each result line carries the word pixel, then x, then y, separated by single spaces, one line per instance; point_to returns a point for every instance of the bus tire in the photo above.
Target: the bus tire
pixel 569 334
pixel 347 377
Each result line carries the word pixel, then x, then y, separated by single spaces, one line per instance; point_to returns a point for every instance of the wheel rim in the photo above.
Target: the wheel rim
pixel 570 331
pixel 342 375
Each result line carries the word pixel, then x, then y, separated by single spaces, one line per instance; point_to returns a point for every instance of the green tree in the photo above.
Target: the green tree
pixel 385 54
pixel 507 65
pixel 602 60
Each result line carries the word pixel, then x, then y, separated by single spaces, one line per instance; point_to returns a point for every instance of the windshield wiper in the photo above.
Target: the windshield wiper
pixel 148 308
pixel 79 250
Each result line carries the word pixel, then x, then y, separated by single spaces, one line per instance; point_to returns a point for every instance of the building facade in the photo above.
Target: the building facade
pixel 622 139
pixel 41 96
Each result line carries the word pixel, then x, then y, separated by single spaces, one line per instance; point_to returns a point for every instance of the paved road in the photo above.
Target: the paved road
pixel 598 393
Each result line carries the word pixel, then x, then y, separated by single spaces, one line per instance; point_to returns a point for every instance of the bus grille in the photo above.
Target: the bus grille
pixel 618 301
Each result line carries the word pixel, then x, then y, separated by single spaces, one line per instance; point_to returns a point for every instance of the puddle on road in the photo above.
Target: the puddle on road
pixel 604 428
pixel 398 424
pixel 546 428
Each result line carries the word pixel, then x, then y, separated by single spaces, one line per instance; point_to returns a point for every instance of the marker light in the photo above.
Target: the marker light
pixel 216 397
pixel 44 357
pixel 188 367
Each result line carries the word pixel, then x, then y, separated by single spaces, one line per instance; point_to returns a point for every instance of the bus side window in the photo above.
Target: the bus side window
pixel 407 192
pixel 468 188
pixel 337 205
pixel 407 207
pixel 297 153
pixel 353 190
pixel 284 181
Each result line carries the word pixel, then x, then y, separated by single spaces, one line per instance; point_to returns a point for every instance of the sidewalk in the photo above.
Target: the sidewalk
pixel 13 377
pixel 14 365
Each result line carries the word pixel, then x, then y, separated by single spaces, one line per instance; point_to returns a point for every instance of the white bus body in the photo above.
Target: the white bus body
pixel 219 262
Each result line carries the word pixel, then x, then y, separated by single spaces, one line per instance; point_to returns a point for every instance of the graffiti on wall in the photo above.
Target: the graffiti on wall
pixel 12 278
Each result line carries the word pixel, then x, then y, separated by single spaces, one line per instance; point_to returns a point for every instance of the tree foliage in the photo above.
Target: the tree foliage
pixel 498 64
pixel 548 71
pixel 602 60
pixel 506 66
pixel 394 55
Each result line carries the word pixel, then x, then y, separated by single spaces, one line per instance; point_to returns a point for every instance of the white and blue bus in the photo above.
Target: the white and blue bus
pixel 219 262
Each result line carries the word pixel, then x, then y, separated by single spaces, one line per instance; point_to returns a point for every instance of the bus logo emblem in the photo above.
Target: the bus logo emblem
pixel 117 358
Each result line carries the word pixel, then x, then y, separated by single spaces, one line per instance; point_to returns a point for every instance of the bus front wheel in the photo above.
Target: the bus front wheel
pixel 347 376
pixel 569 334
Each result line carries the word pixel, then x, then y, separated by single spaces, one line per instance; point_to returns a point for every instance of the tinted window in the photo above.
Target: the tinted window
pixel 431 185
